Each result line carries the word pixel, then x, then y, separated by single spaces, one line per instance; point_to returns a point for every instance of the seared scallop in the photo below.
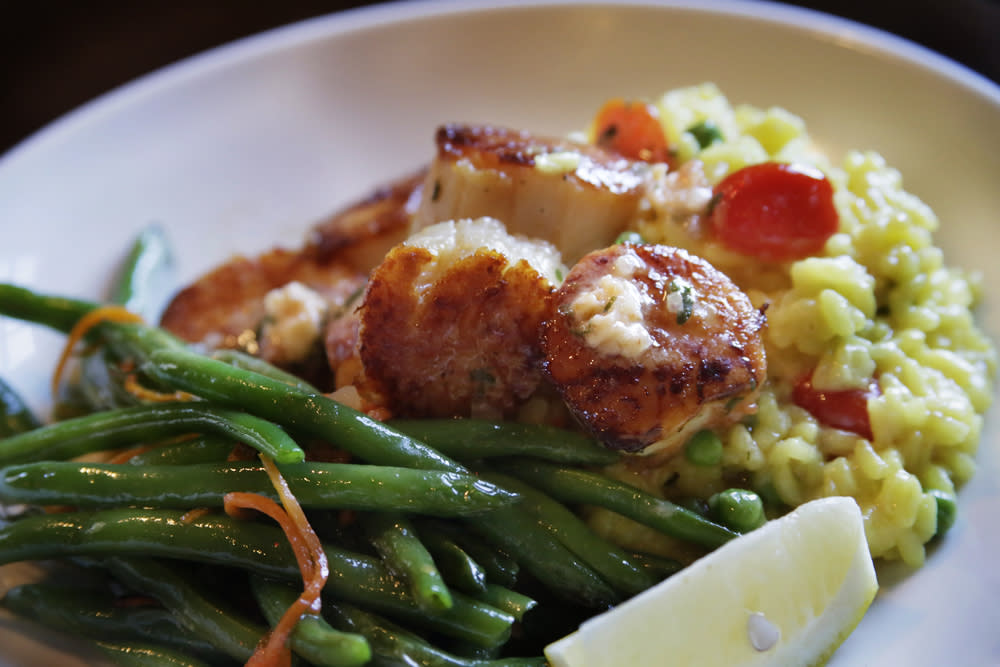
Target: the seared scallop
pixel 274 305
pixel 576 196
pixel 450 320
pixel 649 344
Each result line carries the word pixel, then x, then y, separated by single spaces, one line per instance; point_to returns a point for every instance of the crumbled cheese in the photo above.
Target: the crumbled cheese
pixel 454 240
pixel 610 315
pixel 558 162
pixel 680 299
pixel 294 320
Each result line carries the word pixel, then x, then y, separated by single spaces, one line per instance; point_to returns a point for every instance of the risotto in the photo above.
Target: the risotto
pixel 877 302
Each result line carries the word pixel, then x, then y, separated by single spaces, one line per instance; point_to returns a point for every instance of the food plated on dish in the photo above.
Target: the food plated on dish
pixel 688 304
pixel 593 312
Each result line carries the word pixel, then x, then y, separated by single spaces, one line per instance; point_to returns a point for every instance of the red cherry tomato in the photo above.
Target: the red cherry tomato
pixel 845 409
pixel 631 129
pixel 775 212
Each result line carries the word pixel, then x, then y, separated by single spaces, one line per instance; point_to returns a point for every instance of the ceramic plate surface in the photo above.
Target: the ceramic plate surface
pixel 244 147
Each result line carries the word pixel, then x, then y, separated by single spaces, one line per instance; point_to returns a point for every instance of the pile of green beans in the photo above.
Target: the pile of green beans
pixel 448 541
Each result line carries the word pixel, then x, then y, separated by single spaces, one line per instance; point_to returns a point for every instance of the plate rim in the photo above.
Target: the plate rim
pixel 846 32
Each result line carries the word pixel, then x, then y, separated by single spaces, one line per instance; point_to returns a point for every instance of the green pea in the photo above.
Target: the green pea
pixel 947 509
pixel 703 449
pixel 739 509
pixel 629 237
pixel 706 133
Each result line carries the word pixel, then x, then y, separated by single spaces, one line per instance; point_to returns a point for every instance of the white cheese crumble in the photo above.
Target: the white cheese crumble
pixel 610 315
pixel 450 242
pixel 558 162
pixel 295 316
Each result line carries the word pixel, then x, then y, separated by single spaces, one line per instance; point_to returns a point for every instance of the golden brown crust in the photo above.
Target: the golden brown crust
pixel 703 369
pixel 465 345
pixel 228 301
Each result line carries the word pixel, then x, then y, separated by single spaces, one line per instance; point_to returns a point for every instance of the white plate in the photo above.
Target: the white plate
pixel 245 146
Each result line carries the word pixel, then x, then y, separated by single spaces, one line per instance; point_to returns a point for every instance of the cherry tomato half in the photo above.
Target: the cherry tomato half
pixel 844 409
pixel 773 211
pixel 631 129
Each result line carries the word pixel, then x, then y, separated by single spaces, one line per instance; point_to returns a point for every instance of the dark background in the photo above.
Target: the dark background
pixel 56 55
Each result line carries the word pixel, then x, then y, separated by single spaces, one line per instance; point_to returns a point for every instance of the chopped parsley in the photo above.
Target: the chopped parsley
pixel 706 133
pixel 686 292
pixel 629 237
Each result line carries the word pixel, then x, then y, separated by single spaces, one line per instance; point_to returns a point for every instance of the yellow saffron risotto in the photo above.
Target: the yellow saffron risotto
pixel 878 301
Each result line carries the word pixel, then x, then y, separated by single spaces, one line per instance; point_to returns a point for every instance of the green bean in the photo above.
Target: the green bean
pixel 313 414
pixel 703 449
pixel 93 614
pixel 316 485
pixel 459 569
pixel 499 566
pixel 407 558
pixel 101 383
pixel 15 415
pixel 202 449
pixel 248 362
pixel 503 598
pixel 167 359
pixel 579 486
pixel 144 270
pixel 219 625
pixel 607 559
pixel 471 439
pixel 947 509
pixel 139 288
pixel 126 426
pixel 249 545
pixel 312 637
pixel 59 313
pixel 519 534
pixel 659 567
pixel 136 654
pixel 394 645
pixel 740 509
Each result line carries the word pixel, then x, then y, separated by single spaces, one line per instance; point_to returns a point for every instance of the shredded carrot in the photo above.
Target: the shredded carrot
pixel 58 509
pixel 125 455
pixel 135 602
pixel 82 327
pixel 242 452
pixel 133 387
pixel 273 651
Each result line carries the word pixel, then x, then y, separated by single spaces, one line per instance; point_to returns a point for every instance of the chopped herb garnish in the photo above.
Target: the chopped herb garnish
pixel 706 133
pixel 687 300
pixel 610 304
pixel 437 191
pixel 629 237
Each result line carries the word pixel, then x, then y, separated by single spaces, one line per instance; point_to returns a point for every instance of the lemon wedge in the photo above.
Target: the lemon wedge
pixel 787 594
